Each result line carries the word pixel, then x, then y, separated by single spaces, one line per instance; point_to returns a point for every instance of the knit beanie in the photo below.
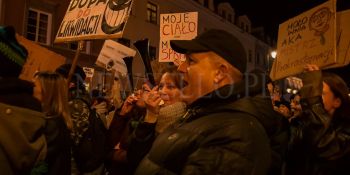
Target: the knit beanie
pixel 169 114
pixel 12 54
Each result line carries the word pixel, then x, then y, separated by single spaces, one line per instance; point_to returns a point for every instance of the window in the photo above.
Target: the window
pixel 257 59
pixel 250 55
pixel 39 26
pixel 152 52
pixel 152 13
pixel 246 28
pixel 206 3
pixel 242 25
pixel 1 11
pixel 229 17
pixel 223 14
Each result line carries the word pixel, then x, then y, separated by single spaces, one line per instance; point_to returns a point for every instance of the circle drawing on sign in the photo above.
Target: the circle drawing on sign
pixel 319 22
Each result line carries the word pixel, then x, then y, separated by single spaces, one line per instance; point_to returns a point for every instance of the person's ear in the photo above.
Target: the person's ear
pixel 221 73
pixel 337 103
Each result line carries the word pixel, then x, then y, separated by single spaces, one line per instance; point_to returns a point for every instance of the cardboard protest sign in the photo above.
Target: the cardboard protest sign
pixel 343 39
pixel 176 26
pixel 112 54
pixel 39 59
pixel 94 19
pixel 308 38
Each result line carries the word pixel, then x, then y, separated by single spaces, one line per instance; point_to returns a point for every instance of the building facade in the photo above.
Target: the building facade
pixel 39 20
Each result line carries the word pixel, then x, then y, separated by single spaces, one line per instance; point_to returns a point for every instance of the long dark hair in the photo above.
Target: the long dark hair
pixel 341 91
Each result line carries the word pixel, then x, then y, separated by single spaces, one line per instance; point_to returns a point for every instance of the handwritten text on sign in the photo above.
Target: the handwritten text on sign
pixel 308 38
pixel 176 26
pixel 93 19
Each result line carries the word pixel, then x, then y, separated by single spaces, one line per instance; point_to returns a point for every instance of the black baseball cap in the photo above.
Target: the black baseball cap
pixel 219 41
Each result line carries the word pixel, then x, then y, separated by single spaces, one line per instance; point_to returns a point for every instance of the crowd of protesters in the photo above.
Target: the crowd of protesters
pixel 206 116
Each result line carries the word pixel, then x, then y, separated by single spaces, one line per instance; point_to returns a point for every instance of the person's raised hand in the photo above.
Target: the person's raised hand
pixel 312 81
pixel 128 104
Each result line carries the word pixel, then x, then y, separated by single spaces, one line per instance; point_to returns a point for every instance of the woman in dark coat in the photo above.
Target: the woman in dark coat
pixel 320 141
pixel 51 90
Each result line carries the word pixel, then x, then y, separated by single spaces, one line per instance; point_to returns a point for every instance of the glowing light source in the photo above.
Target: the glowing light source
pixel 273 54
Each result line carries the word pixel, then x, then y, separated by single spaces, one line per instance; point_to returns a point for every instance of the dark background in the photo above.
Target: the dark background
pixel 270 13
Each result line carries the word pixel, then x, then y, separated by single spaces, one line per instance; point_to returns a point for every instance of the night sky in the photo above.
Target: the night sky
pixel 270 13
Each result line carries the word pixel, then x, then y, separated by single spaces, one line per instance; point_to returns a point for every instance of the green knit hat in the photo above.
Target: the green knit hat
pixel 12 54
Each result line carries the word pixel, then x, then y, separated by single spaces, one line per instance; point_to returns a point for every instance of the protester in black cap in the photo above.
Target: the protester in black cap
pixel 22 139
pixel 218 134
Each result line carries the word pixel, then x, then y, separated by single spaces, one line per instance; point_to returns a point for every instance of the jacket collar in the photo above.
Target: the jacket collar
pixel 227 93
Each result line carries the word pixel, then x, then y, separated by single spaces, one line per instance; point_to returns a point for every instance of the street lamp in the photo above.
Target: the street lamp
pixel 273 54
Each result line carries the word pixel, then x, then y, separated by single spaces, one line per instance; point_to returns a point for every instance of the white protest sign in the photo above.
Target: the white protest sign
pixel 176 26
pixel 89 72
pixel 94 19
pixel 112 54
pixel 308 38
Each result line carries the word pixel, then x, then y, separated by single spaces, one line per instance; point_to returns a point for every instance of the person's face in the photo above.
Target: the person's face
pixel 198 72
pixel 330 102
pixel 295 103
pixel 270 88
pixel 37 91
pixel 169 93
pixel 284 110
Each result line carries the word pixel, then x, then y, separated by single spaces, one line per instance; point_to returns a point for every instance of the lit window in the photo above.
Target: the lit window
pixel 39 26
pixel 152 13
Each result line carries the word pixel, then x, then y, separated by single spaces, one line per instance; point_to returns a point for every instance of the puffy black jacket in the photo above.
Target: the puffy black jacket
pixel 216 136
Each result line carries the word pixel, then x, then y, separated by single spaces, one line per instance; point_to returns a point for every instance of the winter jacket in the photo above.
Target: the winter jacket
pixel 22 139
pixel 316 148
pixel 320 145
pixel 119 133
pixel 17 92
pixel 58 146
pixel 211 139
